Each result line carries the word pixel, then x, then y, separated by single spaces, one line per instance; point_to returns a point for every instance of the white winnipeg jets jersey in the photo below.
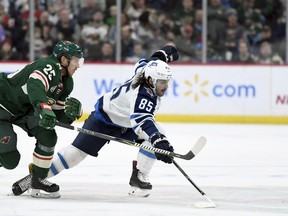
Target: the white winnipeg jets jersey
pixel 130 108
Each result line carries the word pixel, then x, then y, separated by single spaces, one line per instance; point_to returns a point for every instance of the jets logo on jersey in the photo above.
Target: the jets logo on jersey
pixel 5 139
pixel 149 91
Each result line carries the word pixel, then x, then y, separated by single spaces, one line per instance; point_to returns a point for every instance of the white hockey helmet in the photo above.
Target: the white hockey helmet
pixel 157 70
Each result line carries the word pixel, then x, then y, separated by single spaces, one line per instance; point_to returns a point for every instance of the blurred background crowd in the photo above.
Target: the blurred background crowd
pixel 238 31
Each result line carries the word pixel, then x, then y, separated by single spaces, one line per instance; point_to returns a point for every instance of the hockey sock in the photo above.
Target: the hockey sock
pixel 145 160
pixel 66 158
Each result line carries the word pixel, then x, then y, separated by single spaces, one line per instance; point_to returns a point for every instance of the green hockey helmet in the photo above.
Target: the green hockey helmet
pixel 67 49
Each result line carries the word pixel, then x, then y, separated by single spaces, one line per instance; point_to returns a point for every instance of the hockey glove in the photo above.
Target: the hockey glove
pixel 73 108
pixel 46 115
pixel 159 141
pixel 166 54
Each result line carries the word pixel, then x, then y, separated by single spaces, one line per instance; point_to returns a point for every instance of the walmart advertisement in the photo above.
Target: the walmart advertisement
pixel 199 93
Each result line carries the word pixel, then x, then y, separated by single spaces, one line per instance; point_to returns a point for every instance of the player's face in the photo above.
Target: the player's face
pixel 74 64
pixel 161 87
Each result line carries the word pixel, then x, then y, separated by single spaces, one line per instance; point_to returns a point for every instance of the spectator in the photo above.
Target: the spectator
pixel 91 47
pixel 4 17
pixel 216 23
pixel 185 45
pixel 157 40
pixel 5 4
pixel 166 23
pixel 197 26
pixel 266 7
pixel 96 26
pixel 39 45
pixel 46 27
pixel 137 53
pixel 212 54
pixel 134 11
pixel 66 27
pixel 243 55
pixel 258 35
pixel 112 29
pixel 127 42
pixel 7 52
pixel 86 12
pixel 233 33
pixel 267 56
pixel 248 14
pixel 110 21
pixel 186 14
pixel 197 57
pixel 18 28
pixel 143 31
pixel 107 53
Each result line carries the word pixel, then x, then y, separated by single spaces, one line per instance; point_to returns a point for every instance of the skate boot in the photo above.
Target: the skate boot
pixel 140 185
pixel 22 185
pixel 38 185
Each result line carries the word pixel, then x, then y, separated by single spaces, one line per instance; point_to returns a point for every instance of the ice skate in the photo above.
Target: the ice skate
pixel 42 188
pixel 24 184
pixel 140 185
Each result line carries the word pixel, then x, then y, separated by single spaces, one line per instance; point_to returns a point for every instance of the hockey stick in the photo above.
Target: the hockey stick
pixel 195 149
pixel 208 204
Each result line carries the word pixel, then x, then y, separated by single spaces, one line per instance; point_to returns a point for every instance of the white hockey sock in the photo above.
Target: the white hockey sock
pixel 66 158
pixel 145 160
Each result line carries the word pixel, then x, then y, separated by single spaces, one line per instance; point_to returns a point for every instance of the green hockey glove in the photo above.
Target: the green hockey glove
pixel 73 108
pixel 46 115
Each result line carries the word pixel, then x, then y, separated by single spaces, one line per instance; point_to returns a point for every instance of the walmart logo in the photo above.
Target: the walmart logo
pixel 197 88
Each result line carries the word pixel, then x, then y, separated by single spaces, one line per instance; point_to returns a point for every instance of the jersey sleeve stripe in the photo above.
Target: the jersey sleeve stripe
pixel 59 105
pixel 38 75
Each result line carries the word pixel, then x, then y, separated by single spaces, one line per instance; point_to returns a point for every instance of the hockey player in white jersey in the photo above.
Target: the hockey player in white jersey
pixel 127 112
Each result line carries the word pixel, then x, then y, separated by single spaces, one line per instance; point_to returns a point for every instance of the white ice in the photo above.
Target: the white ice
pixel 243 169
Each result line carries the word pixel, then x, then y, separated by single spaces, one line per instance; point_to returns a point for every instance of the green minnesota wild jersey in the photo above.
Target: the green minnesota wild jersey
pixel 38 82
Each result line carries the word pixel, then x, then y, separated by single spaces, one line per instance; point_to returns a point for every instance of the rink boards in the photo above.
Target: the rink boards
pixel 199 93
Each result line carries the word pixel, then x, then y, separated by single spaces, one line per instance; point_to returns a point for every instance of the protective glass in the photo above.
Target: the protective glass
pixel 78 62
pixel 161 82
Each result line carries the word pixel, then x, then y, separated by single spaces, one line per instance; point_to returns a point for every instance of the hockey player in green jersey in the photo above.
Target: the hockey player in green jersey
pixel 35 98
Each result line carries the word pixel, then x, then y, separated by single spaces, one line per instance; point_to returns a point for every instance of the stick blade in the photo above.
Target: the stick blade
pixel 195 149
pixel 204 205
pixel 201 142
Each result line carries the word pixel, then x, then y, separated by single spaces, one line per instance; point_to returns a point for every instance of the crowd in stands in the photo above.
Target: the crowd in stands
pixel 239 31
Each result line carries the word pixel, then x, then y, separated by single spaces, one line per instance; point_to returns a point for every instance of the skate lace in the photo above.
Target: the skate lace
pixel 45 182
pixel 143 177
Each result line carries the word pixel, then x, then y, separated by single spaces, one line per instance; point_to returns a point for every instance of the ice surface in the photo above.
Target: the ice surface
pixel 242 168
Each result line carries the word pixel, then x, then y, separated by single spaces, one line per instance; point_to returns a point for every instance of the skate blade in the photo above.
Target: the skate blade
pixel 20 193
pixel 36 193
pixel 137 192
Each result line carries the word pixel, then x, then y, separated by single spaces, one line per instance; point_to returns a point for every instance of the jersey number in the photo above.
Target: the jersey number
pixel 145 105
pixel 48 70
pixel 117 91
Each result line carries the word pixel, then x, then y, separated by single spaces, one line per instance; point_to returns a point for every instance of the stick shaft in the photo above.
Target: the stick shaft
pixel 188 178
pixel 187 156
